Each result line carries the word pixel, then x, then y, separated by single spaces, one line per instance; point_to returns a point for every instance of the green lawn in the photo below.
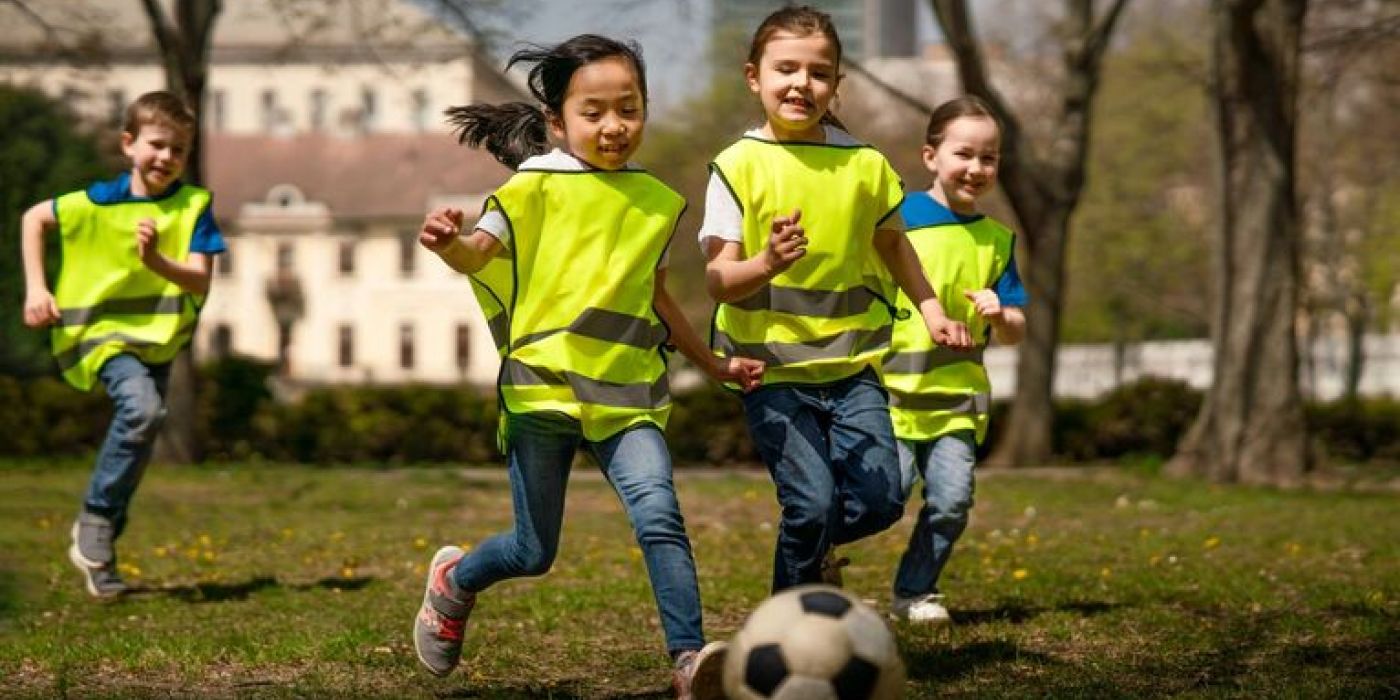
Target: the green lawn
pixel 280 581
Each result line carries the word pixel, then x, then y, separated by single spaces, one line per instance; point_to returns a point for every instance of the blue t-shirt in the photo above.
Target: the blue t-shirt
pixel 919 209
pixel 207 238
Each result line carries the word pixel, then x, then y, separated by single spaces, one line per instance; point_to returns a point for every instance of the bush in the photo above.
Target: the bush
pixel 1361 430
pixel 707 425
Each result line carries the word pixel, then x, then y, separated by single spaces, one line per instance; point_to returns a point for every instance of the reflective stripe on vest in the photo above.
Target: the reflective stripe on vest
pixel 109 302
pixel 933 390
pixel 827 316
pixel 581 335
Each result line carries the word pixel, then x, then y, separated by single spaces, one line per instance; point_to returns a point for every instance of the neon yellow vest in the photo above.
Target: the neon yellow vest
pixel 580 334
pixel 828 316
pixel 933 390
pixel 110 302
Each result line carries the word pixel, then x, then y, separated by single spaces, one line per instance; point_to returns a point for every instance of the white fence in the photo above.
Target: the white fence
pixel 1086 371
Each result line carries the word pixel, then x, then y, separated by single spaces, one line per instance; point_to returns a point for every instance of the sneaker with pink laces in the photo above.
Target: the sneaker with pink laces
pixel 699 673
pixel 441 622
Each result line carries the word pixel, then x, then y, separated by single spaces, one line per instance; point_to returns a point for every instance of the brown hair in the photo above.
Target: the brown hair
pixel 159 107
pixel 958 107
pixel 800 20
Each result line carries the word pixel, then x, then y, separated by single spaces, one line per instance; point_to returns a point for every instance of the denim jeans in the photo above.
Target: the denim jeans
pixel 946 464
pixel 138 395
pixel 830 449
pixel 636 462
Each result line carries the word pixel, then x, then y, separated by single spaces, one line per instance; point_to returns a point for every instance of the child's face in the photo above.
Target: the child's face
pixel 157 154
pixel 795 79
pixel 964 165
pixel 603 114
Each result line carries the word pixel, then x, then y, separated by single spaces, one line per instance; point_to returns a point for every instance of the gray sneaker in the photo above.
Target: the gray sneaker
pixel 699 674
pixel 92 540
pixel 441 622
pixel 102 581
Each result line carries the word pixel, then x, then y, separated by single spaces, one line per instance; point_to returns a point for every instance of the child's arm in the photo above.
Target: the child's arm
pixel 745 372
pixel 441 233
pixel 903 264
pixel 1008 322
pixel 729 277
pixel 192 275
pixel 40 309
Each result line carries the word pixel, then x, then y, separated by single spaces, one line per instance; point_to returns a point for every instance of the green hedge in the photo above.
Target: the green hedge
pixel 240 420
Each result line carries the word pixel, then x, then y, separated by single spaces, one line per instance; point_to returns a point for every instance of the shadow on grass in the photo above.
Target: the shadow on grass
pixel 1016 613
pixel 943 664
pixel 222 592
pixel 562 690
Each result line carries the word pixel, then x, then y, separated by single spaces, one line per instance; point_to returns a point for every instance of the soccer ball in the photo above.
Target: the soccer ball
pixel 813 642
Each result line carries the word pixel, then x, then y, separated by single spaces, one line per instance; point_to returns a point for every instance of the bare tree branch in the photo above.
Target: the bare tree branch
pixel 890 89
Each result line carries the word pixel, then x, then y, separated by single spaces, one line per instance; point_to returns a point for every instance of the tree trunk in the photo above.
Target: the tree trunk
pixel 1250 428
pixel 184 49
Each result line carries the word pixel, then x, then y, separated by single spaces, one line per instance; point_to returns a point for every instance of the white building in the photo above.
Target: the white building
pixel 325 147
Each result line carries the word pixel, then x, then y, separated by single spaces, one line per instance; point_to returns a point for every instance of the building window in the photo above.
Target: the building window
pixel 218 107
pixel 286 257
pixel 221 345
pixel 347 258
pixel 269 111
pixel 345 345
pixel 408 253
pixel 406 346
pixel 369 109
pixel 420 109
pixel 116 108
pixel 464 350
pixel 317 116
pixel 224 263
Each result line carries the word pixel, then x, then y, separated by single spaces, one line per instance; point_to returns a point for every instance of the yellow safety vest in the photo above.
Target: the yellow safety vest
pixel 110 302
pixel 574 316
pixel 933 390
pixel 828 316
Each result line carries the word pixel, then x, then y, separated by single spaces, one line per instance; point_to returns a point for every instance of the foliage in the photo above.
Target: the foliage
pixel 269 582
pixel 43 154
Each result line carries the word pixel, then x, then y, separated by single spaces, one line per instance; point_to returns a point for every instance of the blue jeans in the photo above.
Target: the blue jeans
pixel 138 396
pixel 830 449
pixel 946 464
pixel 636 462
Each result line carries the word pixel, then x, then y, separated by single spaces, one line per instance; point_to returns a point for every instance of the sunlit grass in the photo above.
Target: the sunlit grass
pixel 284 581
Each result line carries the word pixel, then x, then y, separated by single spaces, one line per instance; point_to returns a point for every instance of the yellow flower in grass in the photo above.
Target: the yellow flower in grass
pixel 129 569
pixel 1020 574
pixel 205 541
pixel 420 543
pixel 1105 572
pixel 160 551
pixel 286 533
pixel 1211 542
pixel 1293 549
pixel 337 536
pixel 347 572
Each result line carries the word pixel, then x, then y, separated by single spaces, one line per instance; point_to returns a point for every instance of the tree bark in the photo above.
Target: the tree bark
pixel 1250 428
pixel 1043 191
pixel 184 50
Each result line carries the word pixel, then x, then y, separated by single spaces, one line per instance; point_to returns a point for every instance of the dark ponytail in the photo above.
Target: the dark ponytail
pixel 515 131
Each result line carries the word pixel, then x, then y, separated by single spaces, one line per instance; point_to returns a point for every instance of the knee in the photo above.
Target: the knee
pixel 532 561
pixel 142 419
pixel 658 519
pixel 885 512
pixel 807 516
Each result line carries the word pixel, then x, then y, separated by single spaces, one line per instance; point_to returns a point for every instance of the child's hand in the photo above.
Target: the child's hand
pixel 987 303
pixel 440 228
pixel 744 371
pixel 146 239
pixel 787 242
pixel 950 334
pixel 40 309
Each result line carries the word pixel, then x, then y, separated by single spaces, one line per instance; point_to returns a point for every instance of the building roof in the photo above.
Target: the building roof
pixel 364 177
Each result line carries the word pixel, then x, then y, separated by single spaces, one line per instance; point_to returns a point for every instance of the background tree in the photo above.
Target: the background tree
pixel 44 152
pixel 1250 427
pixel 1044 186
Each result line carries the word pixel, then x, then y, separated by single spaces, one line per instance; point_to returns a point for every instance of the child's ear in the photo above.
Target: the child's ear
pixel 751 77
pixel 556 125
pixel 928 153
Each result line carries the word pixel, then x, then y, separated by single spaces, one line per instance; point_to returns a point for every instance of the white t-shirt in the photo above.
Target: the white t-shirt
pixel 724 219
pixel 494 222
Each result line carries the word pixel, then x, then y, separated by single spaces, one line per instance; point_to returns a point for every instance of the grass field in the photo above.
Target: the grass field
pixel 271 581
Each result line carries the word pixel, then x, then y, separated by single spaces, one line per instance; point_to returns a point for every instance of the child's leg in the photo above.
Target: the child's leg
pixel 138 394
pixel 789 433
pixel 638 465
pixel 541 449
pixel 947 464
pixel 863 455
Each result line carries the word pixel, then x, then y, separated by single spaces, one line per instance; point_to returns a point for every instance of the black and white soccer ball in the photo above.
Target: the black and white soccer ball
pixel 813 642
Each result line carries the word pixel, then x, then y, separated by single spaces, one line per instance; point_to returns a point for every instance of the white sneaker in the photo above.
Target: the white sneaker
pixel 926 609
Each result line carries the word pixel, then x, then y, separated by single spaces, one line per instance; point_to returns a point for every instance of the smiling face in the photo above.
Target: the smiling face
pixel 157 152
pixel 964 163
pixel 604 114
pixel 795 79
